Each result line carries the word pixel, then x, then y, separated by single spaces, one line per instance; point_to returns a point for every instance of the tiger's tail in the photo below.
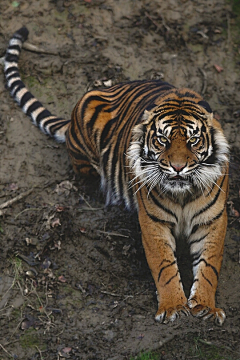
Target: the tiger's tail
pixel 49 124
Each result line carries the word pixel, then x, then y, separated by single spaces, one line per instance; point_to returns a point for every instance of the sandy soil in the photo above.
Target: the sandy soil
pixel 74 282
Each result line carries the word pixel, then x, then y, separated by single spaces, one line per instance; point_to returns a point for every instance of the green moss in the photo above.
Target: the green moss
pixel 17 268
pixel 40 91
pixel 206 350
pixel 30 81
pixel 29 339
pixel 147 356
pixel 236 7
pixel 196 47
pixel 235 21
pixel 16 313
pixel 194 348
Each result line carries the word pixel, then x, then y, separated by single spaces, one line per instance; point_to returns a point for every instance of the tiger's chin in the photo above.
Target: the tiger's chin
pixel 178 185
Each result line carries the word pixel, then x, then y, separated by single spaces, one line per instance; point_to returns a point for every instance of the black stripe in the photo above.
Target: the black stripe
pixel 18 84
pixel 36 105
pixel 165 267
pixel 79 145
pixel 210 204
pixel 43 115
pixel 14 75
pixel 198 240
pixel 10 69
pixel 208 265
pixel 196 255
pixel 11 58
pixel 185 94
pixel 57 124
pixel 14 47
pixel 115 160
pixel 197 226
pixel 212 158
pixel 215 218
pixel 156 202
pixel 154 218
pixel 25 98
pixel 106 134
pixel 206 279
pixel 21 34
pixel 168 282
pixel 97 110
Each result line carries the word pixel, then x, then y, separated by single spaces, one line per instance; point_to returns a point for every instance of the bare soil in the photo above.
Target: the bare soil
pixel 74 282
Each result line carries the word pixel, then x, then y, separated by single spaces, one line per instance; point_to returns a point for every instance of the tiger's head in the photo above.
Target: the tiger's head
pixel 178 145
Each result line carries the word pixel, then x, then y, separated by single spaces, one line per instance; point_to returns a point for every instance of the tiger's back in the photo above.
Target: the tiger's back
pixel 99 134
pixel 160 150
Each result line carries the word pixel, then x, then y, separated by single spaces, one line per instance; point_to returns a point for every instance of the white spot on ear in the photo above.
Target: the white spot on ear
pixel 145 115
pixel 210 119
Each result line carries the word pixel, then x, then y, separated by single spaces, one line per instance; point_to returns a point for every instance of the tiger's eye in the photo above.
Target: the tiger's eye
pixel 162 139
pixel 193 140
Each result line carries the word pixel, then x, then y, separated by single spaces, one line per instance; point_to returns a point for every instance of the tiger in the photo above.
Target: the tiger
pixel 160 151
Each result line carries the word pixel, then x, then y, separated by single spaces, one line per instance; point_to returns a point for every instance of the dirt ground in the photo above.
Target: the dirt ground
pixel 74 282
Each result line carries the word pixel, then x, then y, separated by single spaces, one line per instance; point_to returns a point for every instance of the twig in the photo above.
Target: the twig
pixel 29 209
pixel 128 297
pixel 15 199
pixel 90 209
pixel 206 342
pixel 86 202
pixel 228 32
pixel 6 351
pixel 202 34
pixel 112 234
pixel 109 293
pixel 154 22
pixel 166 340
pixel 204 87
pixel 164 24
pixel 40 353
pixel 6 307
pixel 34 48
pixel 209 343
pixel 2 60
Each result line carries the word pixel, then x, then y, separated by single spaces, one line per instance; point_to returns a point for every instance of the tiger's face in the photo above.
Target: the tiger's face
pixel 178 146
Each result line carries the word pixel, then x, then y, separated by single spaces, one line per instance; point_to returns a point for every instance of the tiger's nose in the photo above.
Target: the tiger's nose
pixel 178 167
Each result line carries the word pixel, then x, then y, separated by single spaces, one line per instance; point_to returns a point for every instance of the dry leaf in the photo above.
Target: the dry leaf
pixel 218 68
pixel 56 222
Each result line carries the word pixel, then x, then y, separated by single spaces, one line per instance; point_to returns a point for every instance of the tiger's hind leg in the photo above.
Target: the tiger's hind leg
pixel 83 167
pixel 206 247
pixel 84 162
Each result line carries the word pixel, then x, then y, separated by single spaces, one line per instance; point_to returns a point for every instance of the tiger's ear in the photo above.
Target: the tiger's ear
pixel 207 107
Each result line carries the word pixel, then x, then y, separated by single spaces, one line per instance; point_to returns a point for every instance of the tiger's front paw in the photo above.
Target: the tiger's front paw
pixel 205 312
pixel 170 314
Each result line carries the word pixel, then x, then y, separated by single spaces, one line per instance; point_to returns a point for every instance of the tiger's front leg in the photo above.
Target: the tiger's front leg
pixel 159 245
pixel 206 247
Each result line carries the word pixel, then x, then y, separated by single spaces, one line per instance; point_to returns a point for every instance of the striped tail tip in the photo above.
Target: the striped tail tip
pixel 48 123
pixel 21 34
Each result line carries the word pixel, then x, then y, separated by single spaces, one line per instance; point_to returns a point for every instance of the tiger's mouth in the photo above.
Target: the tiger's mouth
pixel 177 177
pixel 179 180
